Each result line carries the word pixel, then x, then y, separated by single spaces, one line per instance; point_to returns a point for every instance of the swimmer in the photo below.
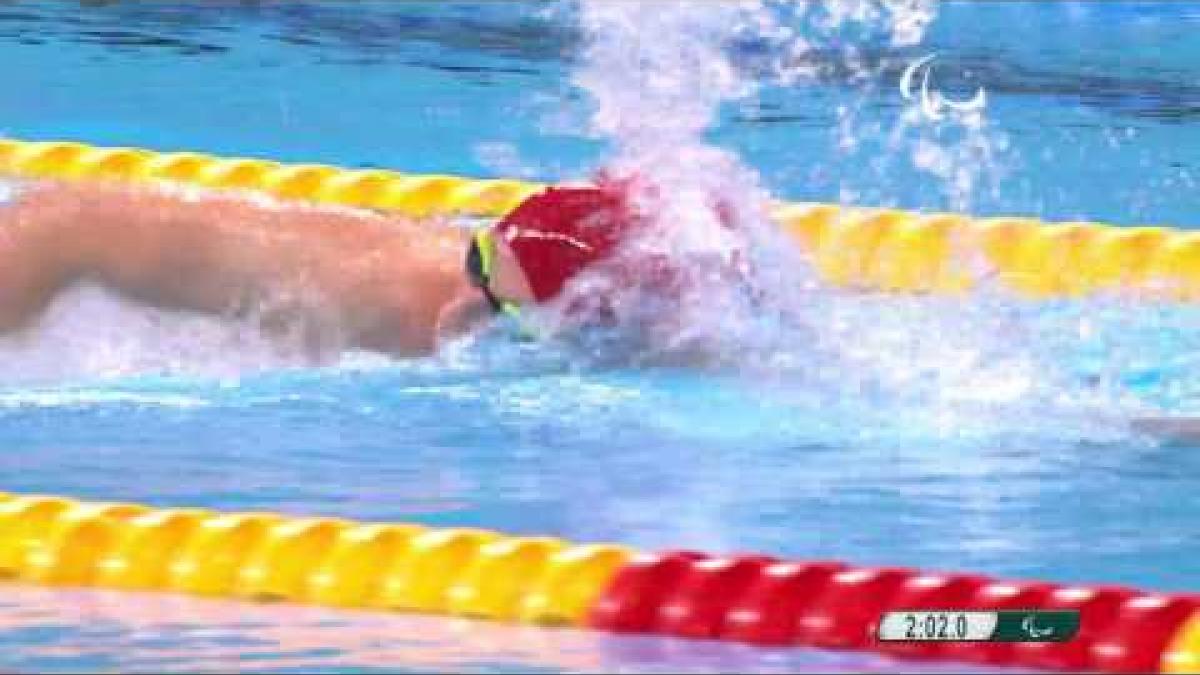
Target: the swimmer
pixel 386 283
pixel 389 284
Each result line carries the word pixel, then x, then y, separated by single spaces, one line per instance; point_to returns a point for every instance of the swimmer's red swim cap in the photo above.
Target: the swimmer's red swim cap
pixel 558 232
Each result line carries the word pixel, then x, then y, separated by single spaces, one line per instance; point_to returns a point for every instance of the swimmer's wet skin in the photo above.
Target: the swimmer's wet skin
pixel 387 284
pixel 382 280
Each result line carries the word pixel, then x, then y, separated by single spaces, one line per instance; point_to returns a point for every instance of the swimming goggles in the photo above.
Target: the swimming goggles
pixel 481 261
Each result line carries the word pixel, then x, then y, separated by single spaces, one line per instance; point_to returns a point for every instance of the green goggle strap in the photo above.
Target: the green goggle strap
pixel 487 256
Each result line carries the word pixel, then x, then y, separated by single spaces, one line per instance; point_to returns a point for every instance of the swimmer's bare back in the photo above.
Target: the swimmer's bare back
pixel 384 280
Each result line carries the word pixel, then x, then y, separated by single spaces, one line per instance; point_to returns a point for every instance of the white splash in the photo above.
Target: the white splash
pixel 88 333
pixel 660 75
pixel 8 190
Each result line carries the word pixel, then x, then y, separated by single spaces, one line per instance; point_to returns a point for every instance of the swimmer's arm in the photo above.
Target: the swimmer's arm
pixel 386 279
pixel 165 249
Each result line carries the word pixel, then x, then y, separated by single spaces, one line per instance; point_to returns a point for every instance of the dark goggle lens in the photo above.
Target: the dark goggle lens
pixel 475 266
pixel 479 278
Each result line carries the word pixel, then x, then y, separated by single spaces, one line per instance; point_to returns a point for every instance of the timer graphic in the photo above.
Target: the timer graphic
pixel 949 625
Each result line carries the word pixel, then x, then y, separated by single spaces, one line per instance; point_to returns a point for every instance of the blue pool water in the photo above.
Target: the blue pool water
pixel 986 434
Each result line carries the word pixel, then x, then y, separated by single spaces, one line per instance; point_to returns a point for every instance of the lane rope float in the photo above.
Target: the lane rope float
pixel 546 581
pixel 876 249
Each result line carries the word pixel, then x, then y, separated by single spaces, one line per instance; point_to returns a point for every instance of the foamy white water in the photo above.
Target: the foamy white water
pixel 659 75
pixel 90 333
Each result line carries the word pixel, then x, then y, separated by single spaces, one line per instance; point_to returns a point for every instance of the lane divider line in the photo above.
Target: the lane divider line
pixel 874 249
pixel 484 575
